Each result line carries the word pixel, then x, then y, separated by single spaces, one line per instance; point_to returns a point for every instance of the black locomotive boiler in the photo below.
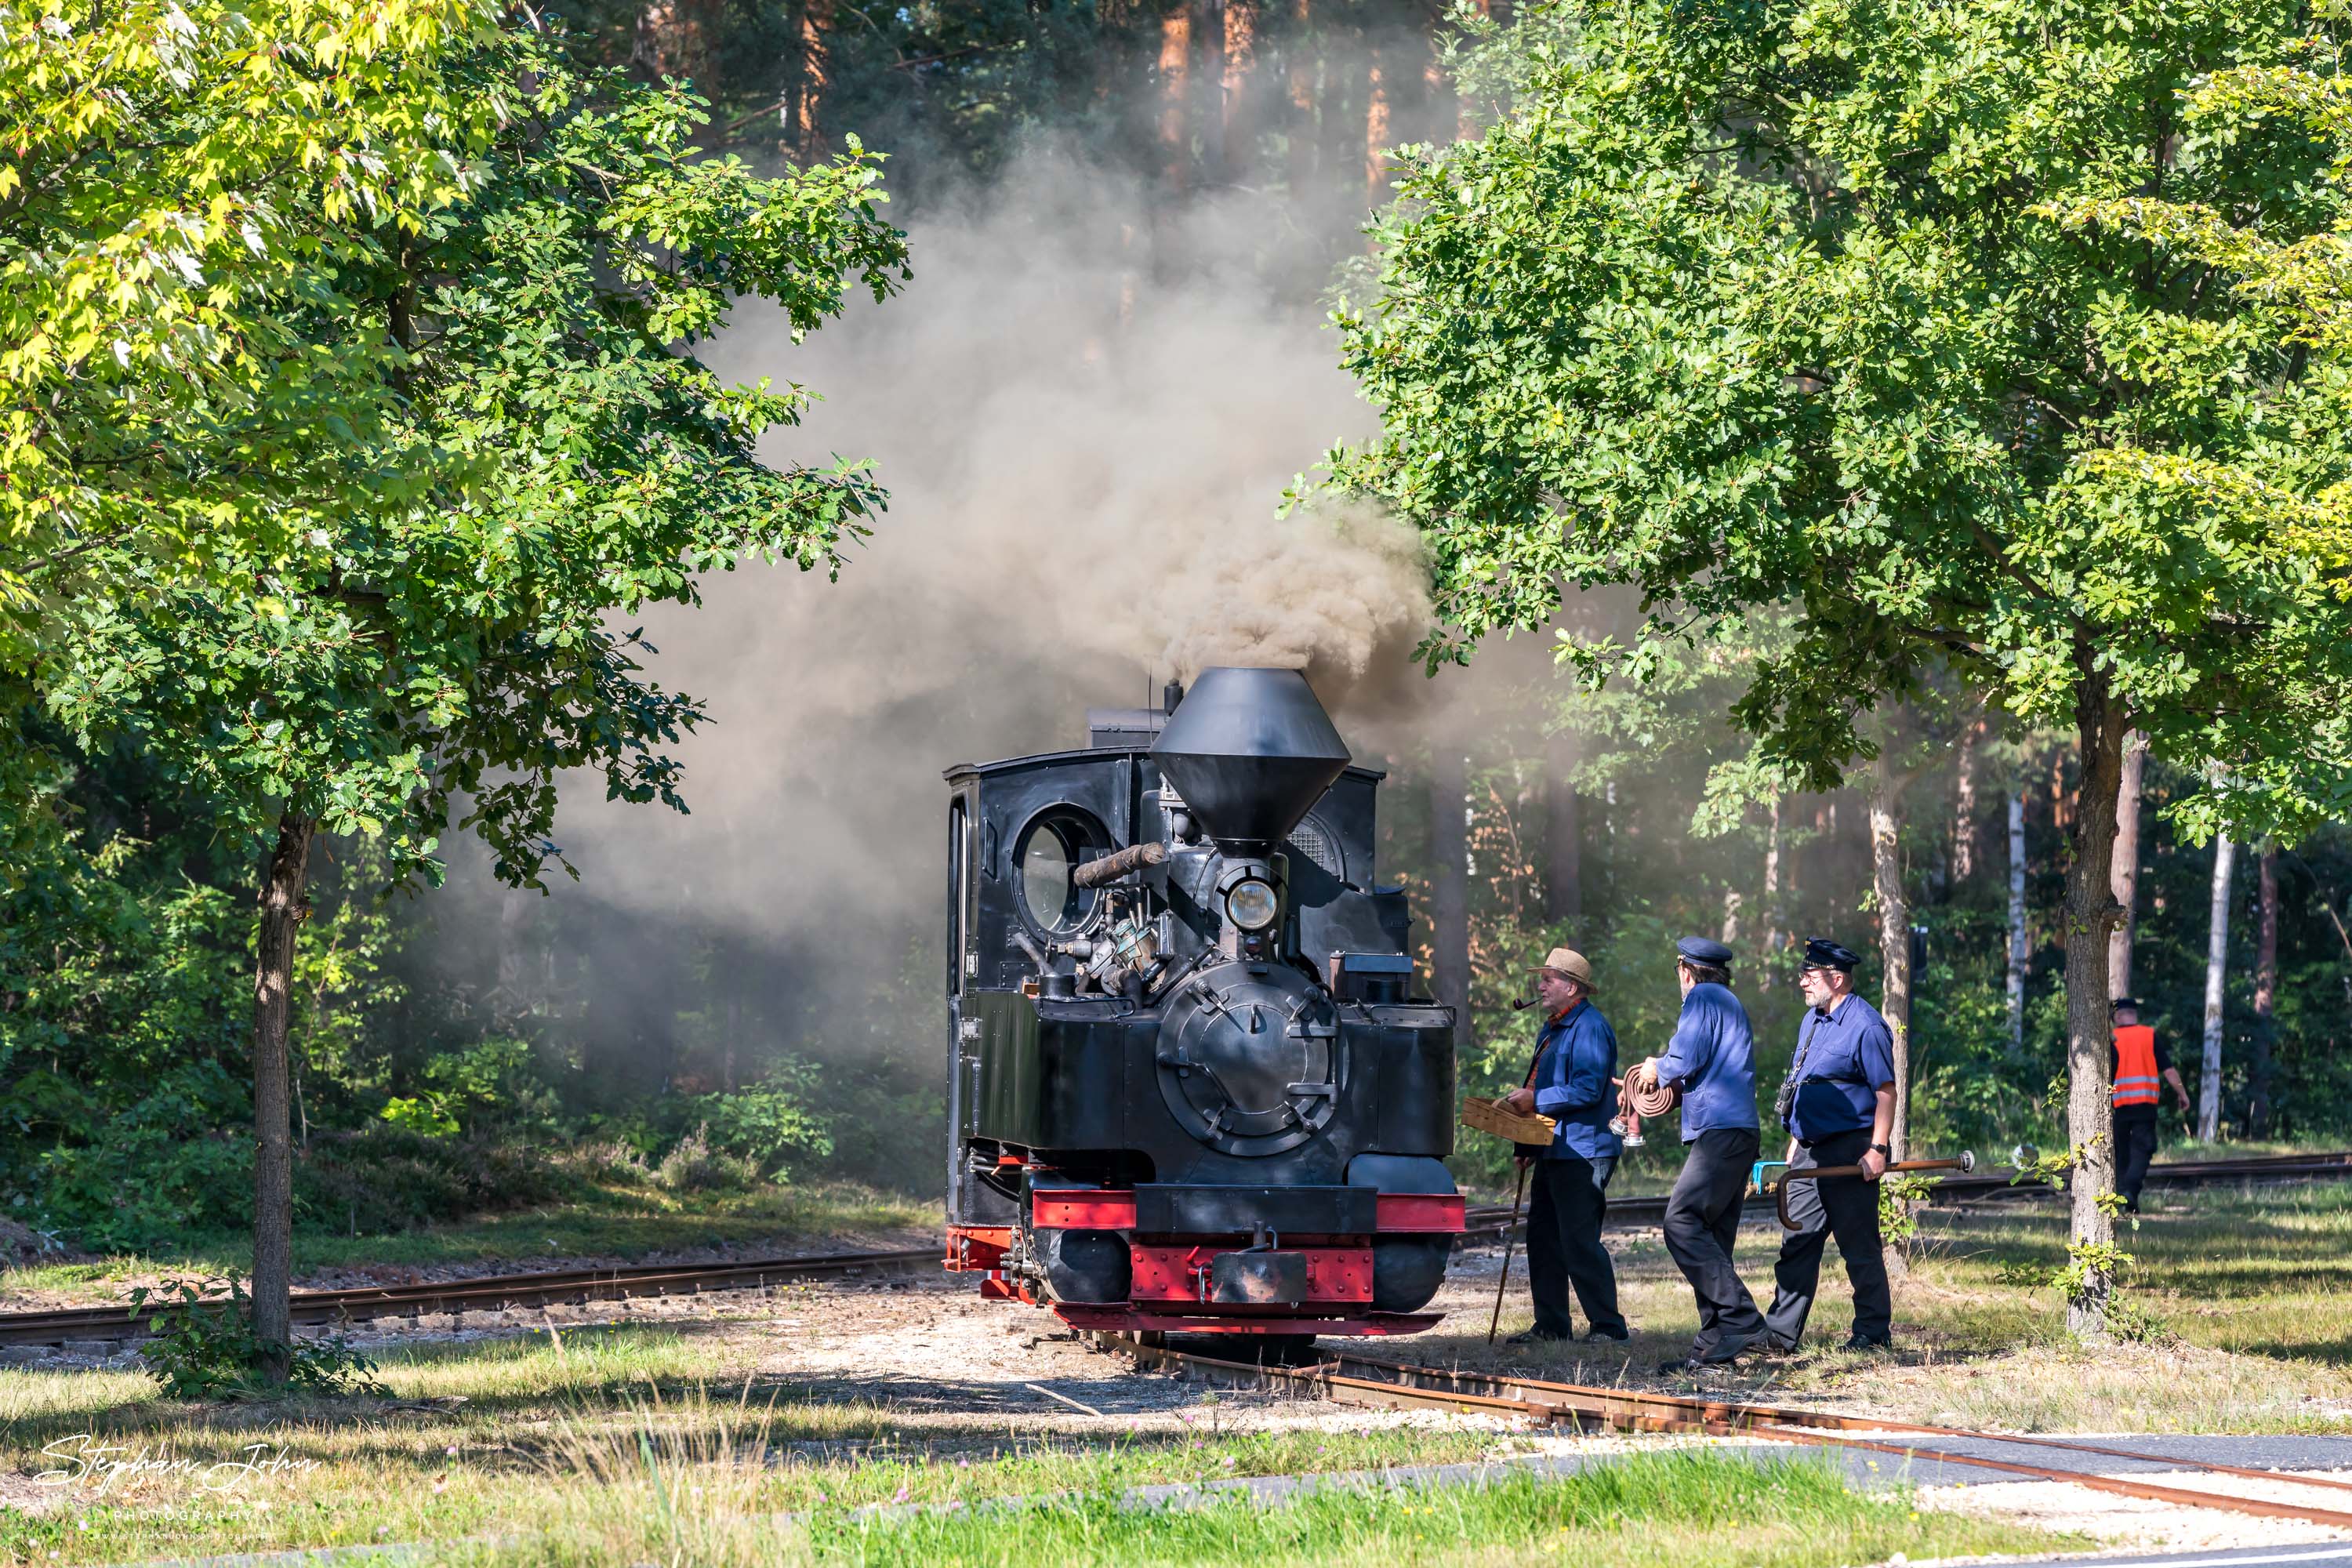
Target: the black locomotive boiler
pixel 1189 1086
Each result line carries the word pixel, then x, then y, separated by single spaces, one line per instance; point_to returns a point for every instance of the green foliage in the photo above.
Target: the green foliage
pixel 1810 307
pixel 205 1347
pixel 383 1178
pixel 1900 1194
pixel 768 1124
pixel 181 188
pixel 559 459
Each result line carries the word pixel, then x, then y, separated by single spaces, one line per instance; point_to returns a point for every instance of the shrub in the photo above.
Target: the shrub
pixel 694 1166
pixel 390 1178
pixel 204 1346
pixel 767 1125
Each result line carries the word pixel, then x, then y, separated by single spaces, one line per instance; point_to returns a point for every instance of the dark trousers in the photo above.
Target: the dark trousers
pixel 1847 1209
pixel 1702 1227
pixel 1572 1196
pixel 2135 1147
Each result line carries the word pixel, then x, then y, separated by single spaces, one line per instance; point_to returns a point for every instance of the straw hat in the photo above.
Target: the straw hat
pixel 1568 962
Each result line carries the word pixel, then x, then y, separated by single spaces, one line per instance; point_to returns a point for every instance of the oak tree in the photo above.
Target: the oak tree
pixel 1830 304
pixel 549 458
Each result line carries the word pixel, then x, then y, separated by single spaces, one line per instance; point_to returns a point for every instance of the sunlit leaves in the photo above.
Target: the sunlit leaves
pixel 2009 337
pixel 526 448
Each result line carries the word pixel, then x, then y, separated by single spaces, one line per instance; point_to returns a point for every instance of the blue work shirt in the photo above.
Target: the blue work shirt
pixel 1842 1061
pixel 1712 1057
pixel 1575 1055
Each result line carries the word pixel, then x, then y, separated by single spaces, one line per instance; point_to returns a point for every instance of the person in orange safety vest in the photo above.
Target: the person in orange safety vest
pixel 2141 1062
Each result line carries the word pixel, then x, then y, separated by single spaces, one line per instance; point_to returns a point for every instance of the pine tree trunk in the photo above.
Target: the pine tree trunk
pixel 2090 915
pixel 1175 64
pixel 2017 949
pixel 1563 837
pixel 1894 935
pixel 2123 878
pixel 2217 973
pixel 1773 913
pixel 2258 1102
pixel 273 1164
pixel 1449 844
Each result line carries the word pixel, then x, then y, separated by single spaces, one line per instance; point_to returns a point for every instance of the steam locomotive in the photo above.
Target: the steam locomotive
pixel 1189 1089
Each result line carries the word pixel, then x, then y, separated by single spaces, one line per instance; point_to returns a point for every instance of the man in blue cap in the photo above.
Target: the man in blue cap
pixel 1576 1056
pixel 1838 1105
pixel 1711 1059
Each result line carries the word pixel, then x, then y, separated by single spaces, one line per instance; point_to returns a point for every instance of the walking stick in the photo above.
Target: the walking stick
pixel 1508 1236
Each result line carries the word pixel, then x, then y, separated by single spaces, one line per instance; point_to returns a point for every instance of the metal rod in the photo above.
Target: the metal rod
pixel 1509 1235
pixel 1967 1161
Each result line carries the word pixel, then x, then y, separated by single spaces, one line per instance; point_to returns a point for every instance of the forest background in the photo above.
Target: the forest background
pixel 751 993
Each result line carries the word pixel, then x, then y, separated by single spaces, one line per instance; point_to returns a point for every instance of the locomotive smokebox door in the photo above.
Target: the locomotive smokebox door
pixel 1258 1279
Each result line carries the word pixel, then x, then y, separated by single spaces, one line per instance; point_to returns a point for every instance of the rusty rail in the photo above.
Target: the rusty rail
pixel 1342 1376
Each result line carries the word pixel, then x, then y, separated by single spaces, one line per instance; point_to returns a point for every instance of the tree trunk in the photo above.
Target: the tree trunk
pixel 1772 910
pixel 1894 933
pixel 273 1164
pixel 2258 1100
pixel 1449 843
pixel 2017 950
pixel 2123 878
pixel 2090 915
pixel 2217 972
pixel 1964 806
pixel 1563 837
pixel 1175 62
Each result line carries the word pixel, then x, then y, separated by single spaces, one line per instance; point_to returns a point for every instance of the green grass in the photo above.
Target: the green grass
pixel 491 1438
pixel 608 1220
pixel 1690 1509
pixel 2248 1290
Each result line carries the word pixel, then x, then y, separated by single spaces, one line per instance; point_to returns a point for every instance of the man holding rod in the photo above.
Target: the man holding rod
pixel 1711 1059
pixel 1838 1108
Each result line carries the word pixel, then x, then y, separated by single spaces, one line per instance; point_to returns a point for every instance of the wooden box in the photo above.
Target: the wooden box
pixel 1493 1116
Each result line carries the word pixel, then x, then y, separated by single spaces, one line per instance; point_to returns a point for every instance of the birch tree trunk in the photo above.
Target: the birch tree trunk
pixel 273 1164
pixel 2017 950
pixel 2258 1105
pixel 2217 973
pixel 1449 844
pixel 1964 806
pixel 2123 877
pixel 2090 915
pixel 1563 836
pixel 1894 935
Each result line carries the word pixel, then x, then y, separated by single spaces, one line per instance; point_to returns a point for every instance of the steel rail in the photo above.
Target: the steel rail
pixel 487 1292
pixel 1408 1385
pixel 1648 1208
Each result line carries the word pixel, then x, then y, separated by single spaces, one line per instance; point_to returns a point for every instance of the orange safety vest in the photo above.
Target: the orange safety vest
pixel 2135 1081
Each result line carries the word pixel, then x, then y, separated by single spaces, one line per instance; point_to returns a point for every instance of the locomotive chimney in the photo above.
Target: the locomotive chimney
pixel 1250 750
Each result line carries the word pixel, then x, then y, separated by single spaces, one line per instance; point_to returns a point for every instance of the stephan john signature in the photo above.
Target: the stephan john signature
pixel 104 1466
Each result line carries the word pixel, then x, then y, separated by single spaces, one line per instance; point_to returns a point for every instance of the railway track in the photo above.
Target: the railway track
pixel 489 1293
pixel 1997 1182
pixel 1348 1378
pixel 69 1325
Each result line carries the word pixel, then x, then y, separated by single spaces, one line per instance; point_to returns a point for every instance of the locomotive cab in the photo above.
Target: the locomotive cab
pixel 1189 1089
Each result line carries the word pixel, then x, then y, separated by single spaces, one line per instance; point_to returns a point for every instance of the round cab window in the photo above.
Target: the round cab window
pixel 1051 848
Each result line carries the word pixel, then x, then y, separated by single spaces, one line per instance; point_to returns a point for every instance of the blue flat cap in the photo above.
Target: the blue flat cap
pixel 1703 949
pixel 1821 953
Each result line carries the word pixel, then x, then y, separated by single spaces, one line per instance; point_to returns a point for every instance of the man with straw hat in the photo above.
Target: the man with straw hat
pixel 1576 1056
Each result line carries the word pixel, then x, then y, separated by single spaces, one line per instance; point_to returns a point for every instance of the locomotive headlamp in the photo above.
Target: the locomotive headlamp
pixel 1250 904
